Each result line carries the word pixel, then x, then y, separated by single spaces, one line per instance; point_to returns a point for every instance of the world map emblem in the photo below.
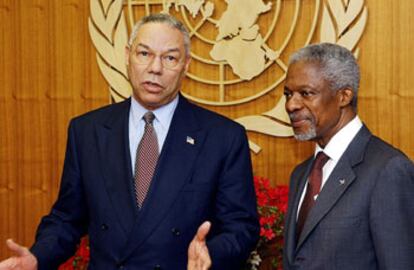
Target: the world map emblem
pixel 240 48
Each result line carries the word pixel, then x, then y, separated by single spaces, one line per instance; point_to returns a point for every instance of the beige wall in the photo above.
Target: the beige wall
pixel 48 74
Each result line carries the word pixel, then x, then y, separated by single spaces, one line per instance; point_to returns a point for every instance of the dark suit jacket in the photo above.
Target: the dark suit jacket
pixel 208 180
pixel 363 218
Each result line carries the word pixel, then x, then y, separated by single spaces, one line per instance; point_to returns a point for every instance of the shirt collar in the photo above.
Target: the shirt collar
pixel 340 141
pixel 163 114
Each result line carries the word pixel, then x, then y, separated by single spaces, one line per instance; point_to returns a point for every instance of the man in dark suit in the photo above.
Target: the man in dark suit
pixel 141 203
pixel 357 210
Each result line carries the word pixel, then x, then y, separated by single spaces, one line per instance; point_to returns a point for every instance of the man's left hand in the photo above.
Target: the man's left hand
pixel 198 256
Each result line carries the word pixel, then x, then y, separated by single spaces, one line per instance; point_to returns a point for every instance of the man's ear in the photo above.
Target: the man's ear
pixel 345 97
pixel 187 63
pixel 127 52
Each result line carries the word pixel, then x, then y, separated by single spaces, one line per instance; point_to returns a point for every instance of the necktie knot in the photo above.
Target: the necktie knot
pixel 320 160
pixel 149 117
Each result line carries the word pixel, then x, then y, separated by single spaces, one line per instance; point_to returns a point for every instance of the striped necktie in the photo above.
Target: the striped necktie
pixel 146 159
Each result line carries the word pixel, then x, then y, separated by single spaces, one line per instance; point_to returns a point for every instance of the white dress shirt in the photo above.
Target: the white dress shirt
pixel 335 149
pixel 162 121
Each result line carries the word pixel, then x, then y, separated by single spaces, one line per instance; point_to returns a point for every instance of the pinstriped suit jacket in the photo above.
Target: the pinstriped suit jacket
pixel 363 218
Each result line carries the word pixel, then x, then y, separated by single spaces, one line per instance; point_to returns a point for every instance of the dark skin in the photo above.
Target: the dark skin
pixel 313 105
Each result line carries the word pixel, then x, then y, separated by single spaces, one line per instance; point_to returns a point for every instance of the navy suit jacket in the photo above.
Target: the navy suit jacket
pixel 209 179
pixel 363 218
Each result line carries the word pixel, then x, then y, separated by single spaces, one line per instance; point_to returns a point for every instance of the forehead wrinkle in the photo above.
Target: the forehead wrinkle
pixel 165 51
pixel 143 45
pixel 305 74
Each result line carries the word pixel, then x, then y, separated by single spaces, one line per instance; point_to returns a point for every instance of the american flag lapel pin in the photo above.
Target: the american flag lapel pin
pixel 190 140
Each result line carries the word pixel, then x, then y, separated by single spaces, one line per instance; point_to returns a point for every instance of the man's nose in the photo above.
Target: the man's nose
pixel 293 103
pixel 155 66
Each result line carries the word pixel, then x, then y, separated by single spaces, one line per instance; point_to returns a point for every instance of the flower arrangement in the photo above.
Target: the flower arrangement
pixel 271 206
pixel 81 258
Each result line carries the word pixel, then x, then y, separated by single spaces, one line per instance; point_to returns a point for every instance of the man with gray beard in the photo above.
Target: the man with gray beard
pixel 351 204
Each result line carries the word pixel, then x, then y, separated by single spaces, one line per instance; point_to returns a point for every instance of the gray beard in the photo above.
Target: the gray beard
pixel 307 136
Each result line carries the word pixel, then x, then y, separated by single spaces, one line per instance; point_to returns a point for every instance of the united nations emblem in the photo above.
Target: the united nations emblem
pixel 243 46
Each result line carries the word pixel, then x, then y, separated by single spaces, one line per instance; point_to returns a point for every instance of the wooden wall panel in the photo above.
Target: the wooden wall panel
pixel 48 74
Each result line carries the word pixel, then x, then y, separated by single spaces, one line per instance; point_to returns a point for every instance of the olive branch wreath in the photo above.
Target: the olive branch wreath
pixel 343 23
pixel 108 31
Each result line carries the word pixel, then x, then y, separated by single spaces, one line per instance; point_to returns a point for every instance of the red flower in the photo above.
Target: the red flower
pixel 267 233
pixel 271 206
pixel 81 258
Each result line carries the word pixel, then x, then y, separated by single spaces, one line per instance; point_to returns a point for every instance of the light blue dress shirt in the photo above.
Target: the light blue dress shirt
pixel 162 121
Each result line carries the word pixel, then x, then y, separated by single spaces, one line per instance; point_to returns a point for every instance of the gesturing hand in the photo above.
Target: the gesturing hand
pixel 23 260
pixel 198 256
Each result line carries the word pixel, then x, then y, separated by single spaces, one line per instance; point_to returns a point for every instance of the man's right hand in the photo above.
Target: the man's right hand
pixel 23 260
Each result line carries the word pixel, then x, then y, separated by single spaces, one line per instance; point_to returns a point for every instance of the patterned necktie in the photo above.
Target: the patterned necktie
pixel 146 159
pixel 312 190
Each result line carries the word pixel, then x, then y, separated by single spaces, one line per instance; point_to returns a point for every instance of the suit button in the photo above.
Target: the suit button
pixel 157 267
pixel 175 231
pixel 104 227
pixel 120 266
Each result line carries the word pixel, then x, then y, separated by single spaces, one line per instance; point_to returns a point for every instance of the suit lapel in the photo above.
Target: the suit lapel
pixel 299 185
pixel 173 170
pixel 331 192
pixel 338 182
pixel 114 155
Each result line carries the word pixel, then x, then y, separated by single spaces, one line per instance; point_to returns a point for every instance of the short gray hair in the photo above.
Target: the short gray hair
pixel 338 64
pixel 162 18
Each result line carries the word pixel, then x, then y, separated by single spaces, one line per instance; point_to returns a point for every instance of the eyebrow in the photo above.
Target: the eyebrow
pixel 148 48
